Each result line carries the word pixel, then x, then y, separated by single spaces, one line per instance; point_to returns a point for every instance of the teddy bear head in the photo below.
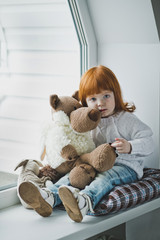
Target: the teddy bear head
pixel 82 119
pixel 65 103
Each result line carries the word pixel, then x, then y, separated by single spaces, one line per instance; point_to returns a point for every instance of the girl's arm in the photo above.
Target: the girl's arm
pixel 142 146
pixel 137 137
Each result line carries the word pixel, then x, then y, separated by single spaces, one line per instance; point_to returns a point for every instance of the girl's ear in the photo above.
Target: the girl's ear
pixel 76 95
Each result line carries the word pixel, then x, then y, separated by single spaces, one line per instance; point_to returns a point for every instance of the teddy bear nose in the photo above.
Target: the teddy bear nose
pixel 94 115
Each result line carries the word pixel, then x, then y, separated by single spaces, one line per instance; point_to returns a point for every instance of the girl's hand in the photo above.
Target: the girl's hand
pixel 122 145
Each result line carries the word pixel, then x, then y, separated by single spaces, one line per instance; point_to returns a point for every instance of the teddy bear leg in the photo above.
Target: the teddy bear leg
pixel 82 175
pixel 102 158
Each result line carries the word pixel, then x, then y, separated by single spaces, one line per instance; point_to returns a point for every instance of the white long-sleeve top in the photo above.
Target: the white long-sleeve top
pixel 126 125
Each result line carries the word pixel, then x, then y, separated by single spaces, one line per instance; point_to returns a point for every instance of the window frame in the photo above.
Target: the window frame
pixel 85 33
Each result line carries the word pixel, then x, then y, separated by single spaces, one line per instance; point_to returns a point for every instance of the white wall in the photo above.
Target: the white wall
pixel 128 43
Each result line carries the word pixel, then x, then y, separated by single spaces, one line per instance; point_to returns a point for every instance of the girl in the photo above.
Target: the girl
pixel 132 139
pixel 99 88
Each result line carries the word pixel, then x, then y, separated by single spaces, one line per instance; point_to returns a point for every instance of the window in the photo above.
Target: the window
pixel 40 56
pixel 85 33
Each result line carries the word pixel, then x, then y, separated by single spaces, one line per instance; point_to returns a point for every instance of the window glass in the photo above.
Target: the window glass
pixel 39 57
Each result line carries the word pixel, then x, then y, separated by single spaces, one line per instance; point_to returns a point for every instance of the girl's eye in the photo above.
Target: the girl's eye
pixel 106 96
pixel 93 99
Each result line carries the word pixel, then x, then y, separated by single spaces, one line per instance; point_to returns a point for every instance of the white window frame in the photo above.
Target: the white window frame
pixel 85 33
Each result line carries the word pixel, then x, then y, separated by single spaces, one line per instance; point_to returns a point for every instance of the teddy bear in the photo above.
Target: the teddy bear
pixel 67 146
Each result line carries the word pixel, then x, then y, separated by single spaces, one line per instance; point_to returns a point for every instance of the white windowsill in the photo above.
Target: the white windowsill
pixel 59 225
pixel 8 197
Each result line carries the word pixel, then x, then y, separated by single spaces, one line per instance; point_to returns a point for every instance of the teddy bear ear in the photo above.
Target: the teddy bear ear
pixel 54 100
pixel 22 163
pixel 76 95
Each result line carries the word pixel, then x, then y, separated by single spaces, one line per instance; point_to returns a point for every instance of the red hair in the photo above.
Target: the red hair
pixel 101 78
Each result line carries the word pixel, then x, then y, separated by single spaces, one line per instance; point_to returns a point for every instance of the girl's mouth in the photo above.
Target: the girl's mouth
pixel 102 110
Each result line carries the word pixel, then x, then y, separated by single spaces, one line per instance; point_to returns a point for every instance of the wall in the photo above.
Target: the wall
pixel 128 43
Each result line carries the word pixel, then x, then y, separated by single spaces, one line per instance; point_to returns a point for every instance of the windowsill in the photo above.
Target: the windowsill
pixel 60 226
pixel 8 197
pixel 7 180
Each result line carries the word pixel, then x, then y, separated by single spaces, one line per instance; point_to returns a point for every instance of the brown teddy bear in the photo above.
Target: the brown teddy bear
pixel 67 145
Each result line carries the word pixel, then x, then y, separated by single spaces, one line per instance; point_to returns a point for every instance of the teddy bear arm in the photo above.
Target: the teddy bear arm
pixel 65 167
pixel 51 173
pixel 69 153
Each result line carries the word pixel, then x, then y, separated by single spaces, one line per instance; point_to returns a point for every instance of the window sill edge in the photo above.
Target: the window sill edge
pixel 8 197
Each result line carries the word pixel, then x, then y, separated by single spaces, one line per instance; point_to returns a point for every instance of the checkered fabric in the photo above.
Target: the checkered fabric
pixel 129 195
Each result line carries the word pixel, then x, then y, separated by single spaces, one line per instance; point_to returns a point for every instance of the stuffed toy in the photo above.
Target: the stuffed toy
pixel 67 145
pixel 29 172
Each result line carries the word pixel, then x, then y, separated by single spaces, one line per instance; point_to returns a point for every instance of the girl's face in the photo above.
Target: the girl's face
pixel 104 102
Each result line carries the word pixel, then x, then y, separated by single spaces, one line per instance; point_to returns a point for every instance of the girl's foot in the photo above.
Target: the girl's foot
pixel 76 204
pixel 40 199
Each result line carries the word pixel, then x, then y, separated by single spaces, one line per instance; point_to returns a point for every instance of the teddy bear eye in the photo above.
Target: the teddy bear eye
pixel 75 108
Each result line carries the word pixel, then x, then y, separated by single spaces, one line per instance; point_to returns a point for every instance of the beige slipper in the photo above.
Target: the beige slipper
pixel 32 196
pixel 70 201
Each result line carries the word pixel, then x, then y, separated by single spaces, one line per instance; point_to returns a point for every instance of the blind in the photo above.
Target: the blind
pixel 42 58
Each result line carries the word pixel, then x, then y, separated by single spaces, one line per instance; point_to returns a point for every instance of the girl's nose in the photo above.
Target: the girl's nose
pixel 100 102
